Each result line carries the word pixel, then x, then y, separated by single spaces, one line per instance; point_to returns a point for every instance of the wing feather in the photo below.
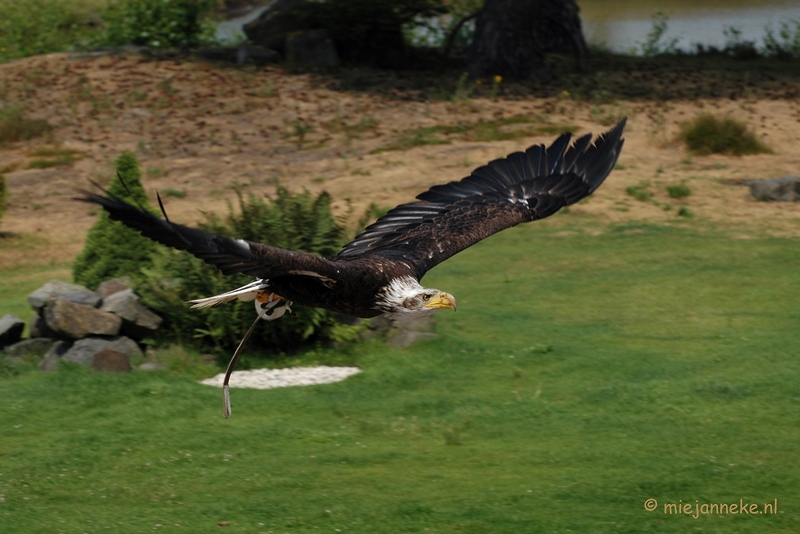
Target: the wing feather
pixel 446 219
pixel 522 187
pixel 229 255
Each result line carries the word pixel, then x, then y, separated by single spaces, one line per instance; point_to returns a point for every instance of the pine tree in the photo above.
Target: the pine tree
pixel 111 249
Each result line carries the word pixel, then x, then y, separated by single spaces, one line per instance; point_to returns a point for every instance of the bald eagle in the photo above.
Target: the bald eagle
pixel 379 272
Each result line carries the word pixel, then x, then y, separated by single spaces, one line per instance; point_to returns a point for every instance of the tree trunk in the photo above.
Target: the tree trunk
pixel 512 36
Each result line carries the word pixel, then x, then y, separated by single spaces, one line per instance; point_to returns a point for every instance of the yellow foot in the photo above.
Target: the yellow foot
pixel 266 296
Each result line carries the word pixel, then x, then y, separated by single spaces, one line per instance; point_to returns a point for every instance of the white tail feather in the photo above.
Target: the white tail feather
pixel 245 293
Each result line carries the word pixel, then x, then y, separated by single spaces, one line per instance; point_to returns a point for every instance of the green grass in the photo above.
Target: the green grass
pixel 497 130
pixel 16 126
pixel 639 191
pixel 364 125
pixel 708 134
pixel 19 282
pixel 155 172
pixel 177 193
pixel 57 157
pixel 581 375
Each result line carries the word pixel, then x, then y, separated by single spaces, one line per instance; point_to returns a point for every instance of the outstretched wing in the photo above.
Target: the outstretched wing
pixel 523 187
pixel 229 255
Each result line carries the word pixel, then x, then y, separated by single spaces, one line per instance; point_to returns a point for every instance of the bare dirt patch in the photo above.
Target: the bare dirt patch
pixel 202 130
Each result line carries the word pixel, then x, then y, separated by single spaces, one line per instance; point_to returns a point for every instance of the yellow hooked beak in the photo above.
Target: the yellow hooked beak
pixel 442 300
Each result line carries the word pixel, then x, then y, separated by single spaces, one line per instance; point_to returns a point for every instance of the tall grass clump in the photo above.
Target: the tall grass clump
pixel 291 221
pixel 16 126
pixel 159 23
pixel 707 134
pixel 112 249
pixel 678 191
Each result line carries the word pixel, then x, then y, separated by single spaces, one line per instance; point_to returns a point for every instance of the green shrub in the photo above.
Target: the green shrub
pixel 707 134
pixel 15 126
pixel 112 249
pixel 293 221
pixel 159 23
pixel 678 191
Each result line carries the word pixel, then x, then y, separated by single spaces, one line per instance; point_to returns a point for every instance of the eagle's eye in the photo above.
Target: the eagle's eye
pixel 426 297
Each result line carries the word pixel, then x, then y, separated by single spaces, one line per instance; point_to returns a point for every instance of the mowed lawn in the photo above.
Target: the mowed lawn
pixel 581 376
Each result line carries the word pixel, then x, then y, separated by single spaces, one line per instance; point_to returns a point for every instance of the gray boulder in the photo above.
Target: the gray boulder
pixel 152 366
pixel 312 48
pixel 109 287
pixel 37 327
pixel 421 324
pixel 256 55
pixel 51 358
pixel 243 54
pixel 406 338
pixel 111 361
pixel 11 328
pixel 79 320
pixel 785 188
pixel 56 289
pixel 270 29
pixel 138 321
pixel 378 327
pixel 84 350
pixel 406 333
pixel 29 347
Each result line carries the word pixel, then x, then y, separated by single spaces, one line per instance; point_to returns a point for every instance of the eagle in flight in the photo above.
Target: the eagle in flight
pixel 379 272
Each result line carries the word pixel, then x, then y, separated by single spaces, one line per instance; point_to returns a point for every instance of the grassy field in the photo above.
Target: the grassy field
pixel 582 375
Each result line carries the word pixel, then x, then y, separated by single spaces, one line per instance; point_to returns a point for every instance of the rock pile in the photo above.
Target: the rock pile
pixel 99 328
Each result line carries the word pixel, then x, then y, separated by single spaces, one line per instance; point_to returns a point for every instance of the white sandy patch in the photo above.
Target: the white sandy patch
pixel 283 378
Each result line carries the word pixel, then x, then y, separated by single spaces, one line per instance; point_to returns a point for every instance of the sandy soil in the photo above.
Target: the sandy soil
pixel 205 129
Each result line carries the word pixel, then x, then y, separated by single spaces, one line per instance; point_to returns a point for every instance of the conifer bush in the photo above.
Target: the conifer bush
pixel 293 221
pixel 112 249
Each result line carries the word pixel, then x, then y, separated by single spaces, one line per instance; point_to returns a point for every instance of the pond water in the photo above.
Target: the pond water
pixel 623 25
pixel 230 31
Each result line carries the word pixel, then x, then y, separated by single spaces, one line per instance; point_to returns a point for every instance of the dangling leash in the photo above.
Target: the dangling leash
pixel 263 306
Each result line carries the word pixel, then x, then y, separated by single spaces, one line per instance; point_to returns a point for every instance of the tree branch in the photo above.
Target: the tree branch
pixel 448 44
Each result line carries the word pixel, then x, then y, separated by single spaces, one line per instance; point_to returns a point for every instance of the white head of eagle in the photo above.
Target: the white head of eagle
pixel 404 299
